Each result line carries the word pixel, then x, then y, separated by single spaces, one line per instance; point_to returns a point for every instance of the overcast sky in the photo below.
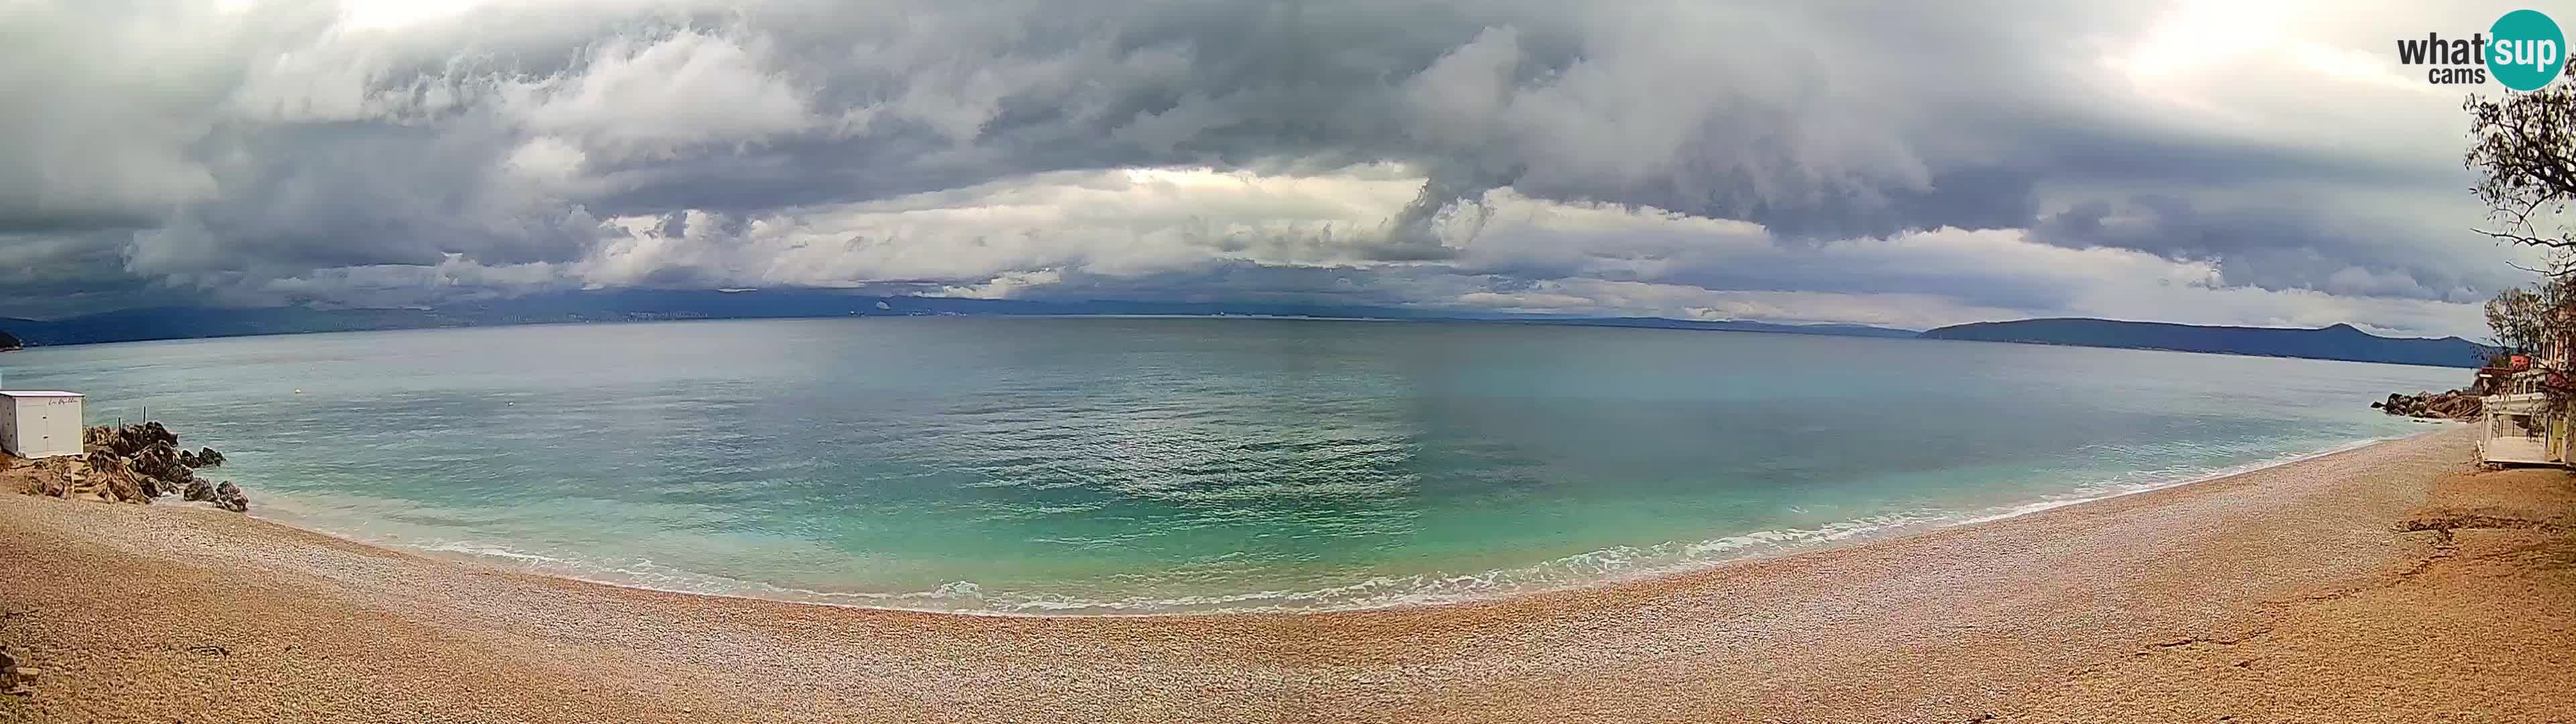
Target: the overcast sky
pixel 1908 164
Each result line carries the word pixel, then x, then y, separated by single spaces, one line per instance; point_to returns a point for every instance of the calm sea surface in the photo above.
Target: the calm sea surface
pixel 1055 465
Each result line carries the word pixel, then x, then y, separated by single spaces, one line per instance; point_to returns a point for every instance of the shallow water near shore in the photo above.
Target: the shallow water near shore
pixel 1054 465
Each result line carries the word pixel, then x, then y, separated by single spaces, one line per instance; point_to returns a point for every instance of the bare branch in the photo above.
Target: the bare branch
pixel 2560 272
pixel 2529 240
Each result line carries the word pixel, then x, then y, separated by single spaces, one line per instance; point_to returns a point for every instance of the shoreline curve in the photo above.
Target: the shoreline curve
pixel 1805 541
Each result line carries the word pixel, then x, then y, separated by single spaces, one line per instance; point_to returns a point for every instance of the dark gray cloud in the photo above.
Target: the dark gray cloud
pixel 302 151
pixel 2283 246
pixel 51 274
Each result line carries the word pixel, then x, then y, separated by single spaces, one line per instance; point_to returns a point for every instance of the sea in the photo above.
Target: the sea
pixel 1032 465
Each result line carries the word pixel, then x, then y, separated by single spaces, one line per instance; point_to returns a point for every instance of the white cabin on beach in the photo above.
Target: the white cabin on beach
pixel 40 423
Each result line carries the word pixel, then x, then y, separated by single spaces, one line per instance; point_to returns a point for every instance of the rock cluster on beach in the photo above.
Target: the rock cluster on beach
pixel 15 679
pixel 130 464
pixel 2452 405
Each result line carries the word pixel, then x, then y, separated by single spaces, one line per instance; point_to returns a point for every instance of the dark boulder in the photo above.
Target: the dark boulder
pixel 160 463
pixel 229 497
pixel 202 458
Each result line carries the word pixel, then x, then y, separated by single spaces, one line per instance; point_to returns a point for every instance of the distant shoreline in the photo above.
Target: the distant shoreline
pixel 2111 609
pixel 1647 323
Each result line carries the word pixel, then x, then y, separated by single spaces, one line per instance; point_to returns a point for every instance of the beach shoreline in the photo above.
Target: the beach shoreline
pixel 155 613
pixel 1823 538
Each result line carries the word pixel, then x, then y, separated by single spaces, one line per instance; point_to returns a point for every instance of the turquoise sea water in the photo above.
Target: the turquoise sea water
pixel 1091 465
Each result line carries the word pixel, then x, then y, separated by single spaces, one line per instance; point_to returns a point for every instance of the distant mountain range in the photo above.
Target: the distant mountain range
pixel 2339 342
pixel 133 325
pixel 1838 330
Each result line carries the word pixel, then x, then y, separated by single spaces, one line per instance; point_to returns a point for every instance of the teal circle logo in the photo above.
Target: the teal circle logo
pixel 2526 50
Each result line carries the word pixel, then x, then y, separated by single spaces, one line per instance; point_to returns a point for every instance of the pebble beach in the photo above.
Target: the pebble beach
pixel 2392 582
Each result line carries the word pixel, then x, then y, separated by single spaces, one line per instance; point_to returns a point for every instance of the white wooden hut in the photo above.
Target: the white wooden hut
pixel 40 423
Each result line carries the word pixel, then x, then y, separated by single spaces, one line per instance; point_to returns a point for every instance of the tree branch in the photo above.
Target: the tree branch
pixel 2543 272
pixel 2529 240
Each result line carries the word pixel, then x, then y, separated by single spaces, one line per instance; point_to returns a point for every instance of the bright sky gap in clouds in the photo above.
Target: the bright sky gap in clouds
pixel 1899 164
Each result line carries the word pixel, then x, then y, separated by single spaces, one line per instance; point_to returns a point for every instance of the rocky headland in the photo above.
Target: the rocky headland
pixel 128 464
pixel 2451 405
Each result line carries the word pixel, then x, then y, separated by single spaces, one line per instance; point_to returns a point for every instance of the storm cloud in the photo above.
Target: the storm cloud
pixel 1895 163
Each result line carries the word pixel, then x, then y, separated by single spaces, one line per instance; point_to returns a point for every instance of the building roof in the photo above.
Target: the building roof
pixel 39 393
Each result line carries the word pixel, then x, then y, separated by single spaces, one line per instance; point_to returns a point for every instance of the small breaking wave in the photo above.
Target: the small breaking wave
pixel 969 597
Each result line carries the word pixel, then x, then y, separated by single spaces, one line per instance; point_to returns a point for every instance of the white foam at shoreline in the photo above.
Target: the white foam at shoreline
pixel 1600 567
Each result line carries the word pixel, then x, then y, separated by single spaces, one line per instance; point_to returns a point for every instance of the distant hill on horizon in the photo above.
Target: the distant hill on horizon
pixel 629 305
pixel 2337 342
